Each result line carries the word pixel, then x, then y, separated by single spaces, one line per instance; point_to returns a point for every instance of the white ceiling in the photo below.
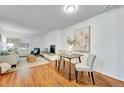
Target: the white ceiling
pixel 44 18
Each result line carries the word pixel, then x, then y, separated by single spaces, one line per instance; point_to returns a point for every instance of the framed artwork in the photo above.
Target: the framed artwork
pixel 0 38
pixel 82 37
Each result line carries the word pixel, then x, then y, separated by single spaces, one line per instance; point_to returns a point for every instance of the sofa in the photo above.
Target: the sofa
pixel 10 58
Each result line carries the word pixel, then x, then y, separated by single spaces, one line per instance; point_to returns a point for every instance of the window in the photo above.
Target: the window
pixel 24 43
pixel 18 43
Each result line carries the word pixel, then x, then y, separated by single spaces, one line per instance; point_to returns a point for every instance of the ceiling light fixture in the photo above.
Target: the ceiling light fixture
pixel 70 8
pixel 107 6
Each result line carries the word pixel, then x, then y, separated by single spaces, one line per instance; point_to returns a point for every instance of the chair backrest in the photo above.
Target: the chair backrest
pixel 36 50
pixel 90 61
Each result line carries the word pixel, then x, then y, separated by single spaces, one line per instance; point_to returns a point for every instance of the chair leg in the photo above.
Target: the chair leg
pixel 64 64
pixel 13 66
pixel 76 74
pixel 56 64
pixel 92 78
pixel 89 74
pixel 59 63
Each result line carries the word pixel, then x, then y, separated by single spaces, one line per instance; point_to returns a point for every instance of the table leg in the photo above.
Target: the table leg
pixel 56 61
pixel 64 63
pixel 79 59
pixel 59 63
pixel 69 69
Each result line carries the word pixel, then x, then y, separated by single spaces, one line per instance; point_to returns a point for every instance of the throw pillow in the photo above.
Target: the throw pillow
pixel 4 53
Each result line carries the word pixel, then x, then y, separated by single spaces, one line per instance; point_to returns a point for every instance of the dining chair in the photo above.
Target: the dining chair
pixel 88 67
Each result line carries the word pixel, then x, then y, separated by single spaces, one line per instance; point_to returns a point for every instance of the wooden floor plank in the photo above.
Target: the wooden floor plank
pixel 48 76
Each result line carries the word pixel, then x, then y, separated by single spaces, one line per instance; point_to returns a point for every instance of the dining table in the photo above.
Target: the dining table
pixel 70 57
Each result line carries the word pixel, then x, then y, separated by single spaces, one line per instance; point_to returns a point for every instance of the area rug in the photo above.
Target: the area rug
pixel 22 64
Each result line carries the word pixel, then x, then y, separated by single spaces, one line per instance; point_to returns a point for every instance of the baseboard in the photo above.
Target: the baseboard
pixel 113 77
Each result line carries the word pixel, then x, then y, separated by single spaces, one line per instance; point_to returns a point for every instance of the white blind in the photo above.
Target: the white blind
pixel 18 43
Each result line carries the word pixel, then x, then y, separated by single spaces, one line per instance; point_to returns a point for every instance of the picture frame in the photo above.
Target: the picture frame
pixel 0 38
pixel 82 37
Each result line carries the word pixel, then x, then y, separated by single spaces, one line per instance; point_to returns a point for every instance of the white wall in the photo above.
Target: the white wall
pixel 107 35
pixel 1 41
pixel 54 38
pixel 106 40
pixel 121 43
pixel 15 32
pixel 38 41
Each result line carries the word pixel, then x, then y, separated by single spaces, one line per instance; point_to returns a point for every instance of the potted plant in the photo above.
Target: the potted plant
pixel 70 43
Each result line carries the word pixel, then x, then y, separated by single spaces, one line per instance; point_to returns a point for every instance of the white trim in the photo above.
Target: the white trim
pixel 112 76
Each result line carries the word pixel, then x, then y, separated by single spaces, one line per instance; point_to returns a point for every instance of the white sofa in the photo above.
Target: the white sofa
pixel 11 59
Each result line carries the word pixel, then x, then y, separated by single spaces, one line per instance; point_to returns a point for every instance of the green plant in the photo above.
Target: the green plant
pixel 70 41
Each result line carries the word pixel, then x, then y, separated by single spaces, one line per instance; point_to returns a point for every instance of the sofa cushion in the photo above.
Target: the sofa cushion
pixel 11 59
pixel 4 53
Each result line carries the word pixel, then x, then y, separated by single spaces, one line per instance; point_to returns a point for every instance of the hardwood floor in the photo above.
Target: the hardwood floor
pixel 48 76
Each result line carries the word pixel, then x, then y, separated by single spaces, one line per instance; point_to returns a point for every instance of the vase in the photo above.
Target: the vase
pixel 69 50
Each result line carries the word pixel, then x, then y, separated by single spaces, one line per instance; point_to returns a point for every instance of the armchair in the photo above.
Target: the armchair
pixel 36 51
